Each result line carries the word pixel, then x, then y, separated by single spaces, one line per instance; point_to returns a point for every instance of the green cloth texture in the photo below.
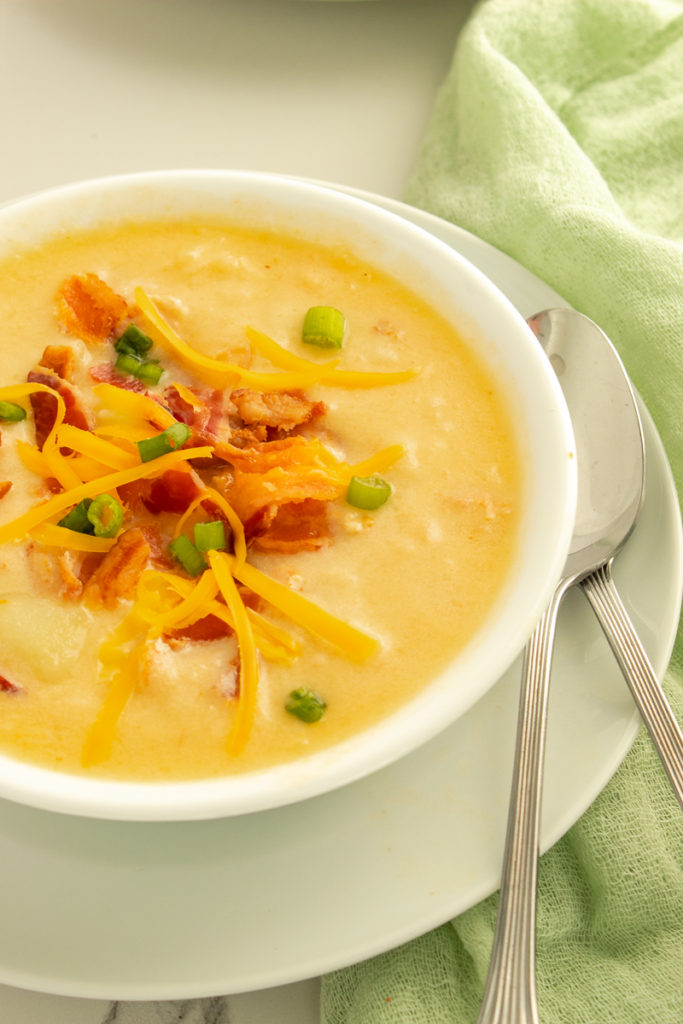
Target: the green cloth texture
pixel 557 136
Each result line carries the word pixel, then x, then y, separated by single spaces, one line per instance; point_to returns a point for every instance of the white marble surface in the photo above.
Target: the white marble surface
pixel 337 91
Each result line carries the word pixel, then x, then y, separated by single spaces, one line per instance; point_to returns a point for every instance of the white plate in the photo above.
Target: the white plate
pixel 163 911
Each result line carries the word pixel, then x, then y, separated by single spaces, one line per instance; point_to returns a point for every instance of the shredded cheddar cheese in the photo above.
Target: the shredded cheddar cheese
pixel 280 356
pixel 33 459
pixel 217 372
pixel 94 447
pixel 17 528
pixel 59 537
pixel 132 406
pixel 221 564
pixel 90 463
pixel 120 658
pixel 346 638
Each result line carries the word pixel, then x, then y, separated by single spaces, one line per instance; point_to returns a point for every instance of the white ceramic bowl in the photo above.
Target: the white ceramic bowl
pixel 461 293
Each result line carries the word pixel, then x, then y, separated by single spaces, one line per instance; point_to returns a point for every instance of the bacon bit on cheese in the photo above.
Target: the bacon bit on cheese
pixel 210 627
pixel 118 573
pixel 60 359
pixel 44 405
pixel 90 309
pixel 5 487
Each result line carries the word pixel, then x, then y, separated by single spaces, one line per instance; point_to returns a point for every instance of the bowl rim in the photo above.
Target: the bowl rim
pixel 424 715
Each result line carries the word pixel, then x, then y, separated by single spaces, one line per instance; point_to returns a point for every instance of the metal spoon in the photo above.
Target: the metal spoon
pixel 609 450
pixel 599 586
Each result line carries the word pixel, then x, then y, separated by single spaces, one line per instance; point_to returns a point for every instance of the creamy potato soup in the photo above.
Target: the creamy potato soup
pixel 233 531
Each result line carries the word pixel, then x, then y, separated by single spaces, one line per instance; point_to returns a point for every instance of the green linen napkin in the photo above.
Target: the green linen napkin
pixel 557 136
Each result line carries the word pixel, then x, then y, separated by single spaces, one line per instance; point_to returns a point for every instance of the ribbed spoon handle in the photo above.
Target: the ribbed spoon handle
pixel 649 696
pixel 510 992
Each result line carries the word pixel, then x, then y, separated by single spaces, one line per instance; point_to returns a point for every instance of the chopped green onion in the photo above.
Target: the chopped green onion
pixel 106 515
pixel 367 492
pixel 184 552
pixel 161 444
pixel 10 412
pixel 306 705
pixel 128 363
pixel 134 342
pixel 210 536
pixel 324 326
pixel 77 519
pixel 149 372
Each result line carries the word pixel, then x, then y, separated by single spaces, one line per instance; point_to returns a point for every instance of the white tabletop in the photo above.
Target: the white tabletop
pixel 336 91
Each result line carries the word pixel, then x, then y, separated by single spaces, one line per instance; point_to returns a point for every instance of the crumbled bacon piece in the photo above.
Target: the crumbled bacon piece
pixel 106 373
pixel 208 419
pixel 294 527
pixel 277 473
pixel 158 546
pixel 5 487
pixel 90 561
pixel 208 628
pixel 45 406
pixel 247 437
pixel 259 458
pixel 90 309
pixel 60 359
pixel 173 491
pixel 119 571
pixel 72 584
pixel 7 687
pixel 283 411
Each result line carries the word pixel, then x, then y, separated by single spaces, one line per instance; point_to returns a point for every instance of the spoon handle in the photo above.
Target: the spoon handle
pixel 650 699
pixel 510 991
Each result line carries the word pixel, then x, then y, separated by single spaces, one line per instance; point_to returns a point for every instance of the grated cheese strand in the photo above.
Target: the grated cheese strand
pixel 60 537
pixel 130 405
pixel 280 356
pixel 119 665
pixel 274 643
pixel 192 605
pixel 378 462
pixel 350 641
pixel 33 459
pixel 95 448
pixel 242 723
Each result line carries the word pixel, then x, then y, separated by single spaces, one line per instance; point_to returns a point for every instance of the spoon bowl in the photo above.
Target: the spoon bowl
pixel 608 432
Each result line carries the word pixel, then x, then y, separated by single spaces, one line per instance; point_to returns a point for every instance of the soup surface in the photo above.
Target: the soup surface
pixel 124 658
